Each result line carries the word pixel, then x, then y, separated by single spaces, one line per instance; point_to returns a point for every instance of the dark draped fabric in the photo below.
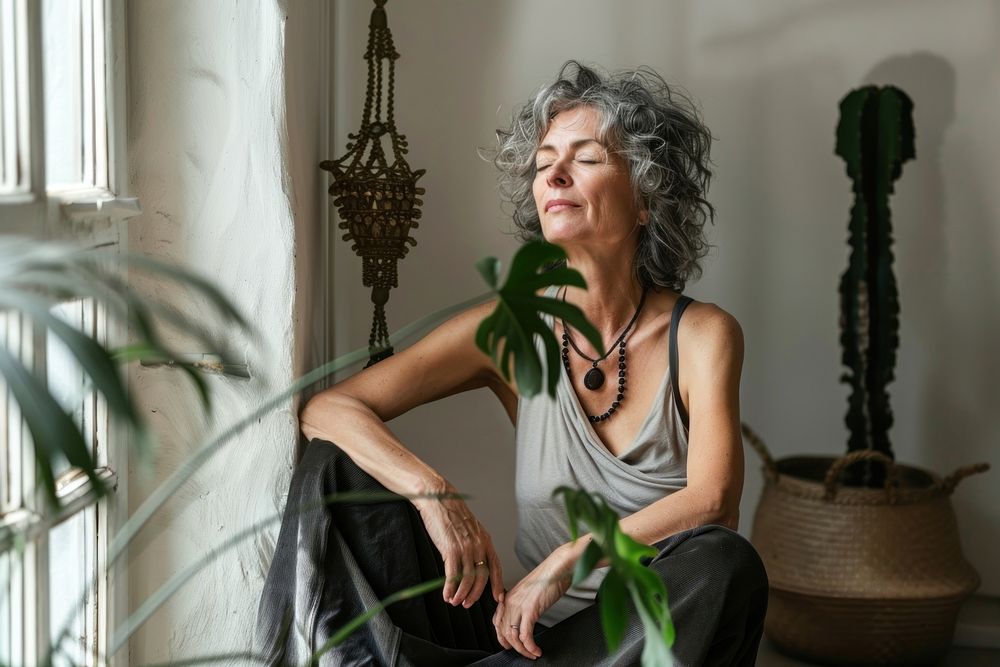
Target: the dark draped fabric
pixel 333 562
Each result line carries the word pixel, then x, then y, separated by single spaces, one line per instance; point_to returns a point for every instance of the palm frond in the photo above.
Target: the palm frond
pixel 36 276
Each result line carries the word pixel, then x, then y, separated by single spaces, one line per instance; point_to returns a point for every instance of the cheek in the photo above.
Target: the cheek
pixel 537 189
pixel 624 199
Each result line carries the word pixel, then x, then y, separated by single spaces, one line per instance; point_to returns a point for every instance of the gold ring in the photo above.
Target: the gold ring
pixel 479 562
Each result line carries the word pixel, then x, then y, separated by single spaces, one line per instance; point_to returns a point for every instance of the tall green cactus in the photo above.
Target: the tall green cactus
pixel 875 138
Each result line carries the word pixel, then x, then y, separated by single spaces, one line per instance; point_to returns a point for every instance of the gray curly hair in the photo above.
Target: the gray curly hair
pixel 657 130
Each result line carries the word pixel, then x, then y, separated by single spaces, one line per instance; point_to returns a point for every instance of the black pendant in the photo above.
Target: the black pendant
pixel 594 379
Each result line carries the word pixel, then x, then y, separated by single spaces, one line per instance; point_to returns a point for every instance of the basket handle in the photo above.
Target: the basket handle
pixel 770 467
pixel 949 483
pixel 830 482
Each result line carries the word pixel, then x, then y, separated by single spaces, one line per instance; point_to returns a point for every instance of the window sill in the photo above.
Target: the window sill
pixel 92 203
pixel 74 492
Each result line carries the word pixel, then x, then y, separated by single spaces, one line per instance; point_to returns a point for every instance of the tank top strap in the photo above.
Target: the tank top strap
pixel 675 319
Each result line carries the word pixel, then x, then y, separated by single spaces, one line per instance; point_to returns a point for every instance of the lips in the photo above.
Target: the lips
pixel 556 205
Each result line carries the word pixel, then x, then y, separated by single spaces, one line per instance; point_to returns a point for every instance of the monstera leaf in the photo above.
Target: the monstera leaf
pixel 509 331
pixel 627 577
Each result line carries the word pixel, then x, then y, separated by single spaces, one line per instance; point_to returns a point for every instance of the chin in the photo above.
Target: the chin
pixel 561 233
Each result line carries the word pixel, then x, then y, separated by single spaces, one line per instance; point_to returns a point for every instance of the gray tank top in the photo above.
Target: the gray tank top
pixel 556 445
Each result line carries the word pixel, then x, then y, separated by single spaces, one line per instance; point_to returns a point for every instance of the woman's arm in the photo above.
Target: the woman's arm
pixel 710 343
pixel 352 413
pixel 712 362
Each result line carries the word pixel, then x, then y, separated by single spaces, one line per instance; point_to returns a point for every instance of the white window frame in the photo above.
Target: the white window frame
pixel 87 216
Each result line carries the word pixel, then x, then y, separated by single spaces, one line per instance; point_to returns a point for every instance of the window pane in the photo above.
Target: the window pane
pixel 61 46
pixel 14 168
pixel 5 656
pixel 7 501
pixel 10 331
pixel 66 380
pixel 73 61
pixel 70 570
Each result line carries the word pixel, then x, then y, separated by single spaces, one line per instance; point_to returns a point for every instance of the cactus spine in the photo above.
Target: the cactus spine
pixel 875 138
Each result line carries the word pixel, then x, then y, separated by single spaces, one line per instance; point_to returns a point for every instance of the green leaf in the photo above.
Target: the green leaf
pixel 626 573
pixel 613 599
pixel 508 333
pixel 93 359
pixel 651 587
pixel 129 353
pixel 569 496
pixel 355 623
pixel 34 275
pixel 54 432
pixel 489 269
pixel 215 297
pixel 585 565
pixel 629 548
pixel 141 312
pixel 655 651
pixel 141 317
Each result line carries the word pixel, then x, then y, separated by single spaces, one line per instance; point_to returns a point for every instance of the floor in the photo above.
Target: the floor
pixel 959 656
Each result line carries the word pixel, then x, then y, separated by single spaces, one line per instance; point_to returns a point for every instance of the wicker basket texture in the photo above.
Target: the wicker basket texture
pixel 860 575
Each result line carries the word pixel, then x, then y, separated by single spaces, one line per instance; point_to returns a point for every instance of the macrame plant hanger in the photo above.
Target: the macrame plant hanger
pixel 378 202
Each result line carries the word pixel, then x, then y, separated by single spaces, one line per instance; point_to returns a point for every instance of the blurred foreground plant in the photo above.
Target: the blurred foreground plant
pixel 627 577
pixel 35 278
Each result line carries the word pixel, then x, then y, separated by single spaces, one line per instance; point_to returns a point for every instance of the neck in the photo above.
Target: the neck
pixel 610 300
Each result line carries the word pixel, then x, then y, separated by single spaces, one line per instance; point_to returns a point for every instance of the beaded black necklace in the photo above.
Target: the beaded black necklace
pixel 594 379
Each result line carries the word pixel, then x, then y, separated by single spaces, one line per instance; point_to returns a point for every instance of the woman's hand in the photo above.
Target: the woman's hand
pixel 521 606
pixel 466 548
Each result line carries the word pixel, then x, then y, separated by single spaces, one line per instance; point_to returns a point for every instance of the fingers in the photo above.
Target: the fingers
pixel 468 575
pixel 515 631
pixel 496 573
pixel 482 575
pixel 527 637
pixel 452 575
pixel 498 624
pixel 467 553
pixel 519 636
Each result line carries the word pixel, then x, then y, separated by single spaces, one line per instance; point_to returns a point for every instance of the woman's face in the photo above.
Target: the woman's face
pixel 582 188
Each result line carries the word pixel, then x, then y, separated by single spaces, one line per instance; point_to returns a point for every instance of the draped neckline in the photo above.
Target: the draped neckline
pixel 569 394
pixel 637 439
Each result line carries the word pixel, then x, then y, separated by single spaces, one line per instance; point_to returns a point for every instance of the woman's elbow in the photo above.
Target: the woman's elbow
pixel 721 510
pixel 313 412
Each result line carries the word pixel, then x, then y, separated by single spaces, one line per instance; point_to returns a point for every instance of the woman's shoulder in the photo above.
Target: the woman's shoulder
pixel 703 317
pixel 710 319
pixel 707 333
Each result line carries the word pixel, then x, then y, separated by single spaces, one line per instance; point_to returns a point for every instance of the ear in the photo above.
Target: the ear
pixel 643 217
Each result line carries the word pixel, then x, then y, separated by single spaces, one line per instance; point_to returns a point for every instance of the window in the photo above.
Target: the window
pixel 62 175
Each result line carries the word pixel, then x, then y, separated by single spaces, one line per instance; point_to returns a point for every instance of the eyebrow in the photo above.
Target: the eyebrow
pixel 575 144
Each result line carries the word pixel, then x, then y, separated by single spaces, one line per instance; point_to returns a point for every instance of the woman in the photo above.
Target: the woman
pixel 614 170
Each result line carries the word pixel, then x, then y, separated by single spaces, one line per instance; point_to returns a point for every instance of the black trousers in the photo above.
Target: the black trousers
pixel 333 562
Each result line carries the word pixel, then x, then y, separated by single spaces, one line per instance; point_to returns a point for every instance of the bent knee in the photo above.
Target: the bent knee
pixel 720 556
pixel 732 554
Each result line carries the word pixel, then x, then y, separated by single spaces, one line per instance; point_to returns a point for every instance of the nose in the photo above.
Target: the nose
pixel 558 177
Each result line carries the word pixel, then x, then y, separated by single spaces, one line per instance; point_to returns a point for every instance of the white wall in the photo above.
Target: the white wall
pixel 225 168
pixel 769 76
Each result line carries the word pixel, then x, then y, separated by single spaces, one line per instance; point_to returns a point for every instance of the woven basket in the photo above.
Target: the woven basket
pixel 860 575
